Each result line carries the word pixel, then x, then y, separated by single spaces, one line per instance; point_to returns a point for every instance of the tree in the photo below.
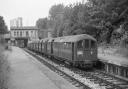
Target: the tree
pixel 42 23
pixel 98 18
pixel 109 14
pixel 56 16
pixel 3 27
pixel 55 11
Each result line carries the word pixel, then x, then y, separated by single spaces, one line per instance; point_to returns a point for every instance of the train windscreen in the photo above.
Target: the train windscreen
pixel 80 44
pixel 93 44
pixel 86 44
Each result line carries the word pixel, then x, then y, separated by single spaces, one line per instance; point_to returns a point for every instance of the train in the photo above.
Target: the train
pixel 76 50
pixel 79 51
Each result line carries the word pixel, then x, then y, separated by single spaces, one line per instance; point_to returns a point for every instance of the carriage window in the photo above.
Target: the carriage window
pixel 80 44
pixel 86 43
pixel 67 45
pixel 93 44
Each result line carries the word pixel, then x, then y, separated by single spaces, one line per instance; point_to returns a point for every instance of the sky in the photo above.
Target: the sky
pixel 29 10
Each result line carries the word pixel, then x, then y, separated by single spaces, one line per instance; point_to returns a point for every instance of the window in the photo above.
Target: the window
pixel 17 33
pixel 27 34
pixel 14 33
pixel 80 44
pixel 93 44
pixel 86 43
pixel 21 33
pixel 31 32
pixel 67 45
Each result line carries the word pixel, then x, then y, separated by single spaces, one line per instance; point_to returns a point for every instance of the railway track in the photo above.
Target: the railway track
pixel 94 79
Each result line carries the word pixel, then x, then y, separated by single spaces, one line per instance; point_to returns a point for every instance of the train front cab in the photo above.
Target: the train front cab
pixel 86 52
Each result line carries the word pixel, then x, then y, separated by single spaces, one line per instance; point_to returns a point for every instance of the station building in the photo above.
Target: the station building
pixel 21 35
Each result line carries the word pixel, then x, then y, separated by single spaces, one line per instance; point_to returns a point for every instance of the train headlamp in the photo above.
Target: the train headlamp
pixel 80 53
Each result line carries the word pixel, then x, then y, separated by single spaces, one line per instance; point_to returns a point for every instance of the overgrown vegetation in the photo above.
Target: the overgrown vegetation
pixel 3 62
pixel 3 27
pixel 4 68
pixel 106 20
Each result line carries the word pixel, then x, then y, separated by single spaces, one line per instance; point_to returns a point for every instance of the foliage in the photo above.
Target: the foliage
pixel 56 17
pixel 99 18
pixel 3 27
pixel 113 12
pixel 42 23
pixel 55 11
pixel 4 68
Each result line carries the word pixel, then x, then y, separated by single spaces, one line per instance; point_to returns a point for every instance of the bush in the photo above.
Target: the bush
pixel 4 67
pixel 122 51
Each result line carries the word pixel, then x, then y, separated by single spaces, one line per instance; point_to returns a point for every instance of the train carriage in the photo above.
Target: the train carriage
pixel 50 46
pixel 79 50
pixel 30 45
pixel 56 47
pixel 45 45
pixel 40 46
pixel 37 46
pixel 34 46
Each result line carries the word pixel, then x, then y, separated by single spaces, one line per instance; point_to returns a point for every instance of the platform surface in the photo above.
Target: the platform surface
pixel 28 73
pixel 107 56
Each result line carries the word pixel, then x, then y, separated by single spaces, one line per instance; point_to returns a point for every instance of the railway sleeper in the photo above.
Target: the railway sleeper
pixel 109 83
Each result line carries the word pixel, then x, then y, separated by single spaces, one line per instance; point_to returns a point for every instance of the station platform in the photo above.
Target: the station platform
pixel 109 57
pixel 28 73
pixel 115 64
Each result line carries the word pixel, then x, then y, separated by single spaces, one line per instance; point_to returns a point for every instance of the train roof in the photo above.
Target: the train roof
pixel 35 41
pixel 41 40
pixel 58 39
pixel 30 42
pixel 45 39
pixel 74 38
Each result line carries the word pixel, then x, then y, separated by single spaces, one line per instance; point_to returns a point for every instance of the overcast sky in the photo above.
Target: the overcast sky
pixel 30 10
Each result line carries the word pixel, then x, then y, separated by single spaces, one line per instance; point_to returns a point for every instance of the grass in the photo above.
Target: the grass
pixel 114 51
pixel 122 51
